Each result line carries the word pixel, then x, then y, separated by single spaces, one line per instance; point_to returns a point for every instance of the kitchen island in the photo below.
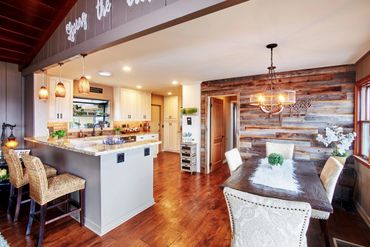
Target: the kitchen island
pixel 119 178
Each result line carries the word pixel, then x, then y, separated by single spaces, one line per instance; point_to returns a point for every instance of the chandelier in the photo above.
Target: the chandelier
pixel 272 100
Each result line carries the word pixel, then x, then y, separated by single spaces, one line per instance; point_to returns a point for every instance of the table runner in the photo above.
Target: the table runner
pixel 279 177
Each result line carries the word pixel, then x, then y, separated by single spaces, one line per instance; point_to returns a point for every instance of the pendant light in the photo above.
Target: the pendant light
pixel 43 91
pixel 273 100
pixel 83 83
pixel 60 90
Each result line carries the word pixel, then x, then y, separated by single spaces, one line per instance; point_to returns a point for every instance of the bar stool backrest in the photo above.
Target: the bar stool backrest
pixel 14 165
pixel 37 177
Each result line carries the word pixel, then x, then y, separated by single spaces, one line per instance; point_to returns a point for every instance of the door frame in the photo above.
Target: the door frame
pixel 208 126
pixel 161 127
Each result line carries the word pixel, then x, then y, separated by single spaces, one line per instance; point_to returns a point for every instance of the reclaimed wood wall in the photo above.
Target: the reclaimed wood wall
pixel 331 92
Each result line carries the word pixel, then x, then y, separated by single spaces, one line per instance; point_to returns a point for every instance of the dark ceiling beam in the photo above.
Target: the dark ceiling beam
pixel 16 40
pixel 33 8
pixel 10 25
pixel 14 47
pixel 36 26
pixel 10 59
pixel 61 13
pixel 27 16
pixel 12 34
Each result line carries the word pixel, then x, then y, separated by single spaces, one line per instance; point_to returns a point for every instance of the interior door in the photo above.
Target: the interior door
pixel 217 133
pixel 155 123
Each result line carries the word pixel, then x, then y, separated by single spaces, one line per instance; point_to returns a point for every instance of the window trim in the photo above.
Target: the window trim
pixel 357 90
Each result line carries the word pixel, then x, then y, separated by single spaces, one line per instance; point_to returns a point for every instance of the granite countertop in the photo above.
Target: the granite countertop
pixel 90 145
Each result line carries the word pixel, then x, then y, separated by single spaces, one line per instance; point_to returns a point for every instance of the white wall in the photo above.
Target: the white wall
pixel 191 98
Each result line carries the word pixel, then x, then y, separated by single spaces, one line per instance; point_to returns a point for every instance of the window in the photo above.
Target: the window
pixel 362 117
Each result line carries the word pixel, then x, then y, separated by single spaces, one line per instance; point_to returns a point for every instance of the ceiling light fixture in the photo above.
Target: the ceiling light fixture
pixel 139 87
pixel 175 82
pixel 126 68
pixel 43 91
pixel 83 83
pixel 104 73
pixel 88 77
pixel 169 93
pixel 60 90
pixel 273 100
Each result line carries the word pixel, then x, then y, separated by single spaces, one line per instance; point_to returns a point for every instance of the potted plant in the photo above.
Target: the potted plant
pixel 58 135
pixel 340 142
pixel 3 175
pixel 275 160
pixel 117 130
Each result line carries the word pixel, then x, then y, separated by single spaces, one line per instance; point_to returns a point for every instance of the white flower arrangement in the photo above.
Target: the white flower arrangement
pixel 341 142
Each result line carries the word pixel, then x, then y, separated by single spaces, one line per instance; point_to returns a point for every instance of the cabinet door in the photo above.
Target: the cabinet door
pixel 52 100
pixel 66 103
pixel 170 142
pixel 147 106
pixel 170 107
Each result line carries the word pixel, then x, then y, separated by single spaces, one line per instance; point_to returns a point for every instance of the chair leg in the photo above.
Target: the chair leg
pixel 324 228
pixel 18 205
pixel 30 217
pixel 10 202
pixel 68 208
pixel 82 206
pixel 42 224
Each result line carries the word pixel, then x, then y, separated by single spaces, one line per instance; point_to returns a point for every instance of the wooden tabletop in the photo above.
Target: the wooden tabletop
pixel 312 189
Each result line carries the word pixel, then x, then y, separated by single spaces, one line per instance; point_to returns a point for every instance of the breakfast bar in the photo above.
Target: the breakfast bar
pixel 119 178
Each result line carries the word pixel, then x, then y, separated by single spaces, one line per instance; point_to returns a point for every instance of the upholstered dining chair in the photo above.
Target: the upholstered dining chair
pixel 44 190
pixel 329 177
pixel 234 160
pixel 286 150
pixel 260 221
pixel 18 178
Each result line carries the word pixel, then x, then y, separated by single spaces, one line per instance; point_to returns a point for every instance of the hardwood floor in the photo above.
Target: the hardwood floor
pixel 190 211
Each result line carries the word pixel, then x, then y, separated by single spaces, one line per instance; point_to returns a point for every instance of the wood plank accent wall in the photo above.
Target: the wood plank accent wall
pixel 11 98
pixel 331 92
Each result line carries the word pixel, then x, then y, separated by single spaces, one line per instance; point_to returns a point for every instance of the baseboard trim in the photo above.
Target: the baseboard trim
pixel 363 213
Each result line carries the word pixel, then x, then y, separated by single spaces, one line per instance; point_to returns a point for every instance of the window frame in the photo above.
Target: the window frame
pixel 365 82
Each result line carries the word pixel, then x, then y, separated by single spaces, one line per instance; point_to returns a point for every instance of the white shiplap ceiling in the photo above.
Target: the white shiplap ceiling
pixel 231 43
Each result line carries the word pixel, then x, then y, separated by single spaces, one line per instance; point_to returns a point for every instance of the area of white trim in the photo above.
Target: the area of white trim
pixel 363 213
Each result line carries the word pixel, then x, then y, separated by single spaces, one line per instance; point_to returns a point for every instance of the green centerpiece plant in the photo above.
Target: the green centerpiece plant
pixel 117 130
pixel 275 159
pixel 4 175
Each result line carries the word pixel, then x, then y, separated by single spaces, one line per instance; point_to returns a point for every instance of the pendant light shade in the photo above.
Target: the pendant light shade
pixel 60 90
pixel 83 83
pixel 273 100
pixel 43 91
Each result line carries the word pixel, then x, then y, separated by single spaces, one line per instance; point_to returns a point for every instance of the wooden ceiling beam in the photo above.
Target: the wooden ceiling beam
pixel 61 13
pixel 23 22
pixel 13 46
pixel 27 16
pixel 33 8
pixel 21 29
pixel 17 39
pixel 10 59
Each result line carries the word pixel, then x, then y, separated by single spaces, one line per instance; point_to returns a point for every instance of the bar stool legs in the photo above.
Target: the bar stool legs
pixel 324 228
pixel 82 207
pixel 18 204
pixel 42 225
pixel 30 217
pixel 10 201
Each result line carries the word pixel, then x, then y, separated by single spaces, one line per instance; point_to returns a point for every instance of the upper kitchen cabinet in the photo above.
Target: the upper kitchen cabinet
pixel 171 107
pixel 60 109
pixel 131 105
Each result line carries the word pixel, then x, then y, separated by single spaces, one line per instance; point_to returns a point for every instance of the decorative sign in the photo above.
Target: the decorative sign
pixel 132 2
pixel 102 8
pixel 72 28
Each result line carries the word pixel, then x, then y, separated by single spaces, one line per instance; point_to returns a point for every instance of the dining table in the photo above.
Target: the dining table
pixel 311 189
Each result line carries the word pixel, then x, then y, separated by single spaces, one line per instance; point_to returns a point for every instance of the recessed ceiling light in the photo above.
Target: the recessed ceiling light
pixel 105 73
pixel 88 77
pixel 126 68
pixel 169 93
pixel 175 82
pixel 139 87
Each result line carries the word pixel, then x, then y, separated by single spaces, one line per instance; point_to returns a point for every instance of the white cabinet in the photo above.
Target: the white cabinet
pixel 171 107
pixel 149 137
pixel 131 105
pixel 170 140
pixel 60 109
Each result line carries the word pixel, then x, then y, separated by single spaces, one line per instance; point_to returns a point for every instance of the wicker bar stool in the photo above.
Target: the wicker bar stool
pixel 18 178
pixel 44 190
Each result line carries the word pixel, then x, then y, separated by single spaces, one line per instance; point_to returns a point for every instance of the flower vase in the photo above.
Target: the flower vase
pixel 341 159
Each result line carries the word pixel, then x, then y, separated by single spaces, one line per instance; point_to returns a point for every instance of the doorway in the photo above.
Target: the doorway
pixel 156 123
pixel 223 130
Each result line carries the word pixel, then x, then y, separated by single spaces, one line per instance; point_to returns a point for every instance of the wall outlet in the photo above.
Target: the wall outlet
pixel 120 158
pixel 146 151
